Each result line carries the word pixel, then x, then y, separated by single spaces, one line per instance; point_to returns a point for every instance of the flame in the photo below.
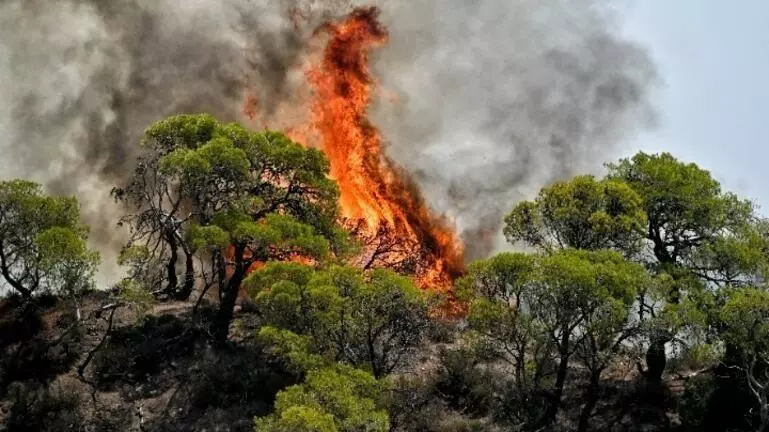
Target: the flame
pixel 373 188
pixel 376 194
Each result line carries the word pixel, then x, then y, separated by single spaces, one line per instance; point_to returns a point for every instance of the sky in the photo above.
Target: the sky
pixel 713 58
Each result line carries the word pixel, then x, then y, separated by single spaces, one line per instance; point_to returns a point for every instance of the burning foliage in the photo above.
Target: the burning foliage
pixel 382 207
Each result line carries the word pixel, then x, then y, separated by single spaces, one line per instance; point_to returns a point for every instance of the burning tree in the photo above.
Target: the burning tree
pixel 230 197
pixel 383 208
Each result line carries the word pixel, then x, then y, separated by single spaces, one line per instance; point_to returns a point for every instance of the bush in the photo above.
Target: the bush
pixel 242 377
pixel 132 353
pixel 30 356
pixel 33 407
pixel 463 384
pixel 412 404
pixel 695 402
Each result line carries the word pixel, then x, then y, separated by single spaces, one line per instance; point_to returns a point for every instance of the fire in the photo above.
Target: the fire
pixel 376 195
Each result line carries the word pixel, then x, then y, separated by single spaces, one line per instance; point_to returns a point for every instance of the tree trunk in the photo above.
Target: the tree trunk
pixel 228 295
pixel 173 281
pixel 656 360
pixel 226 312
pixel 591 399
pixel 373 359
pixel 560 381
pixel 189 278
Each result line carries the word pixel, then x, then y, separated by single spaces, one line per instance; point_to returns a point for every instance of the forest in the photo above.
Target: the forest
pixel 634 301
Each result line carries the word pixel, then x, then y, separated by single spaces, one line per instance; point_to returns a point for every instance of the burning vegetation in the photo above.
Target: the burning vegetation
pixel 380 205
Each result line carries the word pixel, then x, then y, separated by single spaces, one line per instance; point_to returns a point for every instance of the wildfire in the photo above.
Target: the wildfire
pixel 377 198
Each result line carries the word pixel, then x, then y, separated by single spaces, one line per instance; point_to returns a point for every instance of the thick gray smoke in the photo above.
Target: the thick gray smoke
pixel 80 81
pixel 501 97
pixel 496 97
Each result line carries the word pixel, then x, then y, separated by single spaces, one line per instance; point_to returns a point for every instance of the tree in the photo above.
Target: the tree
pixel 554 306
pixel 691 221
pixel 43 242
pixel 669 216
pixel 500 290
pixel 607 325
pixel 372 320
pixel 697 234
pixel 746 316
pixel 163 217
pixel 232 198
pixel 335 398
pixel 583 213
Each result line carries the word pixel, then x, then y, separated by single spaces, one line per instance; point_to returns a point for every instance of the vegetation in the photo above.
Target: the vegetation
pixel 229 197
pixel 42 242
pixel 643 299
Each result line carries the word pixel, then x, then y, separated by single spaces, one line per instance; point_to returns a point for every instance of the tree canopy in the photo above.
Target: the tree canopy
pixel 231 198
pixel 651 272
pixel 533 309
pixel 43 242
pixel 374 321
pixel 692 223
pixel 582 213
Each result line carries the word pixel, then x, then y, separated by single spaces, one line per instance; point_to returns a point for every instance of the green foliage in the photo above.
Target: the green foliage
pixel 746 317
pixel 532 308
pixel 582 282
pixel 42 242
pixel 681 197
pixel 234 164
pixel 331 399
pixel 691 222
pixel 32 407
pixel 373 321
pixel 524 293
pixel 296 349
pixel 135 297
pixel 694 404
pixel 208 237
pixel 582 213
pixel 655 253
pixel 503 276
pixel 230 197
pixel 298 419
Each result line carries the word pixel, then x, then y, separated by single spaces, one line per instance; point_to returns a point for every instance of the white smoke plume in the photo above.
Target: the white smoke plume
pixel 496 98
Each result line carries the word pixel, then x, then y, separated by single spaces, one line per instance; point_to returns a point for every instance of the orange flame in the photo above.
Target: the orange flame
pixel 374 189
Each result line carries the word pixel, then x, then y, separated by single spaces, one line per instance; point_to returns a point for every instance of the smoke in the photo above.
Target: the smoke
pixel 81 80
pixel 499 98
pixel 495 98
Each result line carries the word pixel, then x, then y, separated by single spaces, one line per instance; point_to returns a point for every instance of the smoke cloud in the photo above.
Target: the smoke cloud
pixel 500 98
pixel 496 98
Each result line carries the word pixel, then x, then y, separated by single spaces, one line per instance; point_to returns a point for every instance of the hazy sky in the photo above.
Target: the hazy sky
pixel 713 56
